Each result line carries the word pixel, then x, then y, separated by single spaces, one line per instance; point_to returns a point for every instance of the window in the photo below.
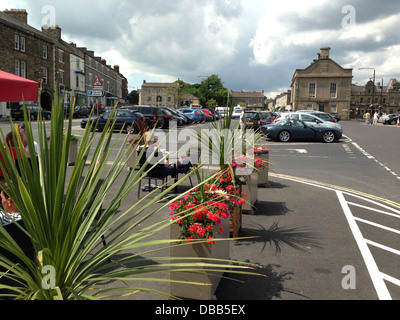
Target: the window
pixel 333 92
pixel 60 56
pixel 90 79
pixel 44 52
pixel 22 44
pixel 16 42
pixel 61 77
pixel 17 67
pixel 45 75
pixel 333 108
pixel 311 90
pixel 309 106
pixel 148 99
pixel 23 69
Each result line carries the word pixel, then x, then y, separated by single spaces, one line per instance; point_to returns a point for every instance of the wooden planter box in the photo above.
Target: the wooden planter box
pixel 263 172
pixel 219 250
pixel 235 223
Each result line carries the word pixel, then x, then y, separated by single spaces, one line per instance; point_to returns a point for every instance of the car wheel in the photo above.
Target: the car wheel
pixel 393 122
pixel 284 136
pixel 48 117
pixel 329 137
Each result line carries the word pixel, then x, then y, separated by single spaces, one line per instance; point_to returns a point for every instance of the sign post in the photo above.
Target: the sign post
pixel 97 91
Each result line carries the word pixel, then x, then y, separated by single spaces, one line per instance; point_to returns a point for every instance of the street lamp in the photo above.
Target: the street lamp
pixel 373 89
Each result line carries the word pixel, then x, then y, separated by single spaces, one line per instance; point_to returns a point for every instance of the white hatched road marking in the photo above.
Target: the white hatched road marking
pixel 373 270
pixel 378 278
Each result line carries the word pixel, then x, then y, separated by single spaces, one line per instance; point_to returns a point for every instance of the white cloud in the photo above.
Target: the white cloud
pixel 252 45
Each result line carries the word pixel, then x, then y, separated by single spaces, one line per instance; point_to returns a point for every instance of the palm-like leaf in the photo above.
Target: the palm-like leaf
pixel 59 212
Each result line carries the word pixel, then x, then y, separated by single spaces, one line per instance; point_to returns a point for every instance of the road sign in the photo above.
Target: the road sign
pixel 95 93
pixel 97 82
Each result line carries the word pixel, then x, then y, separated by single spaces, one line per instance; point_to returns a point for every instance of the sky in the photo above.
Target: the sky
pixel 252 45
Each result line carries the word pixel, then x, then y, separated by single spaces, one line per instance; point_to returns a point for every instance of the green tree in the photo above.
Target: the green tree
pixel 134 97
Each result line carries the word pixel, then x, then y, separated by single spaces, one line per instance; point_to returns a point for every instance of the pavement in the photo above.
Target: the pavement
pixel 302 244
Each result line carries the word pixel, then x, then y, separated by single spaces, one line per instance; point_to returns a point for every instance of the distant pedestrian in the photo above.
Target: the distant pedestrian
pixel 367 116
pixel 376 117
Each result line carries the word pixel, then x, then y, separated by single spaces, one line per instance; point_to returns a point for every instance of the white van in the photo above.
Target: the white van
pixel 223 111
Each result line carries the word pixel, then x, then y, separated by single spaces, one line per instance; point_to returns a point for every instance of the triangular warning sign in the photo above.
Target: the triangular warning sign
pixel 97 83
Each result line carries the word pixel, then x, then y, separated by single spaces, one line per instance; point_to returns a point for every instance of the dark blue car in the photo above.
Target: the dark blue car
pixel 125 119
pixel 296 130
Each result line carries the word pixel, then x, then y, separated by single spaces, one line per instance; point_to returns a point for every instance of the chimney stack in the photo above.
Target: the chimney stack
pixel 325 52
pixel 19 14
pixel 52 31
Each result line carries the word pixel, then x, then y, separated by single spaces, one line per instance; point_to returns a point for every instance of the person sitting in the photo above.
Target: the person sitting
pixel 10 212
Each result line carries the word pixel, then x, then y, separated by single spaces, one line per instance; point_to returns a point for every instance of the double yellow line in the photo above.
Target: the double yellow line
pixel 331 186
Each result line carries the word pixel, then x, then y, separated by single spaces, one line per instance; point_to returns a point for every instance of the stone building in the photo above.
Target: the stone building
pixel 26 52
pixel 323 86
pixel 44 57
pixel 282 102
pixel 382 98
pixel 251 100
pixel 114 84
pixel 159 94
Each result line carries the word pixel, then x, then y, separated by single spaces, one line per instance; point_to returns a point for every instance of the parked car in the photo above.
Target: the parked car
pixel 269 116
pixel 195 114
pixel 32 110
pixel 386 117
pixel 168 117
pixel 391 120
pixel 297 130
pixel 254 119
pixel 323 115
pixel 190 119
pixel 126 119
pixel 81 111
pixel 237 111
pixel 178 115
pixel 209 115
pixel 335 116
pixel 308 118
pixel 153 115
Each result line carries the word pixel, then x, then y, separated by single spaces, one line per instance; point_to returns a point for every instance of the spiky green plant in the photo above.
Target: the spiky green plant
pixel 60 218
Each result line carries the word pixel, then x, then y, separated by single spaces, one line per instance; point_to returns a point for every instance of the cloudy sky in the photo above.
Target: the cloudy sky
pixel 252 45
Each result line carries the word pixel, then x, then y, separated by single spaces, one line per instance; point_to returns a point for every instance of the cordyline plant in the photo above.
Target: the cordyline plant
pixel 62 216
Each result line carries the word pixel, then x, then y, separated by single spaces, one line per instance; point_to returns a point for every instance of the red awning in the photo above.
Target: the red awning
pixel 15 89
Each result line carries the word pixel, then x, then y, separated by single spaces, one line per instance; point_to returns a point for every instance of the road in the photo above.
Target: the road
pixel 352 186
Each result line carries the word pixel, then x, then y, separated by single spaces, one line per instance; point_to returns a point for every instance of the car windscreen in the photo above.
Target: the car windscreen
pixel 252 115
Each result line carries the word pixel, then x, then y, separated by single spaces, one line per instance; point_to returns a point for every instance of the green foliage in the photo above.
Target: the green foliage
pixel 65 222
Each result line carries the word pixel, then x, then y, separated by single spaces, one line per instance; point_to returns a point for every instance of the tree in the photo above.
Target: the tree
pixel 134 97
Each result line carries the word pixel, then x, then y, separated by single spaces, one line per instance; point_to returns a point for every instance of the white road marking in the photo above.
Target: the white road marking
pixel 377 225
pixel 373 270
pixel 377 277
pixel 369 156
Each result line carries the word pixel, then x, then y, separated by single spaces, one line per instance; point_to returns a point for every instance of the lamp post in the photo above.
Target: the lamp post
pixel 373 89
